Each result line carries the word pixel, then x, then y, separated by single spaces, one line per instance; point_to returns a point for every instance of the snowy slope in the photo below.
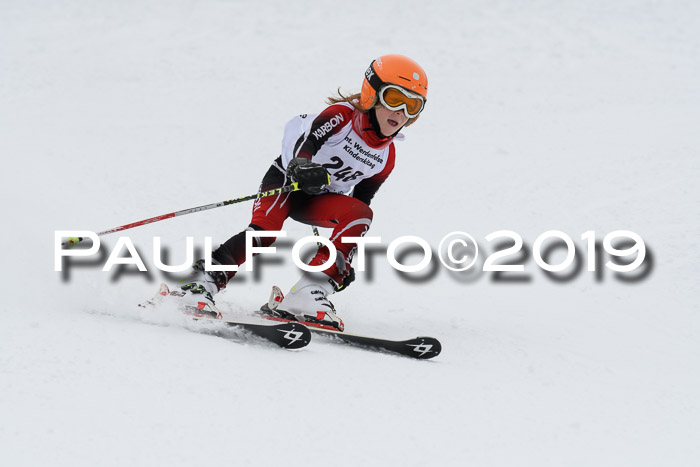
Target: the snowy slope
pixel 572 116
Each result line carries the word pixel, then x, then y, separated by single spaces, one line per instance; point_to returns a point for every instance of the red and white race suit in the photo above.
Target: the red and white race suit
pixel 358 159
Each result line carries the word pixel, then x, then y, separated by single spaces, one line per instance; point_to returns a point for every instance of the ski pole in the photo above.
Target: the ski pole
pixel 72 241
pixel 316 234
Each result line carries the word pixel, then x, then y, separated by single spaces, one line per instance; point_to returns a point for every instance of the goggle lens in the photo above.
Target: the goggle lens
pixel 396 98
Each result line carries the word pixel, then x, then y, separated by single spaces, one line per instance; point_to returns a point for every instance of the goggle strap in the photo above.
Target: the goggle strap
pixel 372 78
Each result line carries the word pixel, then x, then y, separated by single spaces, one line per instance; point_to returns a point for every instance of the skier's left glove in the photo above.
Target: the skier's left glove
pixel 312 177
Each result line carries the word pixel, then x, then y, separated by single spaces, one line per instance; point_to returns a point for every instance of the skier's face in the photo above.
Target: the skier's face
pixel 390 121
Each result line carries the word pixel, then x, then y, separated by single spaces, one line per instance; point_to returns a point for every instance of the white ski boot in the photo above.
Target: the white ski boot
pixel 192 304
pixel 307 302
pixel 201 288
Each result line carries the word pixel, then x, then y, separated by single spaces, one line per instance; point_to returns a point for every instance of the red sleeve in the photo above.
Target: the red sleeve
pixel 367 188
pixel 325 125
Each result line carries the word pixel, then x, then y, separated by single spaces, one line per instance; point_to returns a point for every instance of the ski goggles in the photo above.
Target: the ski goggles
pixel 397 98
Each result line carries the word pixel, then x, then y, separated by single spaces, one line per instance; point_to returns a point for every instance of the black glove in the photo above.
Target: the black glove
pixel 310 175
pixel 347 280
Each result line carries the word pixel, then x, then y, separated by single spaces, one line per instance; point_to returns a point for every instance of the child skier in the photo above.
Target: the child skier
pixel 340 157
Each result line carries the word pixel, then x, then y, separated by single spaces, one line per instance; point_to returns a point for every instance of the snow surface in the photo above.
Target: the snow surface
pixel 542 115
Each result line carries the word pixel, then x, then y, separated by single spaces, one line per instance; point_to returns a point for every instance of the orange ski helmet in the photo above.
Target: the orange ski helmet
pixel 392 69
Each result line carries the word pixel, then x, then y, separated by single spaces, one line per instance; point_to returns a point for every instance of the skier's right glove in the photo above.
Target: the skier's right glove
pixel 347 280
pixel 311 176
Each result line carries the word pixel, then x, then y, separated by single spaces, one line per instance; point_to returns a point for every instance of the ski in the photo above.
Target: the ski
pixel 422 348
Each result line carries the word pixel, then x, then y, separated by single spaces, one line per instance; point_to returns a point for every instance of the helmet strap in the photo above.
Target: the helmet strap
pixel 374 122
pixel 373 78
pixel 375 125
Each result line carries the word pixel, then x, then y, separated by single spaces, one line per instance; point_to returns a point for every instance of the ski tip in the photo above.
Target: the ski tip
pixel 423 348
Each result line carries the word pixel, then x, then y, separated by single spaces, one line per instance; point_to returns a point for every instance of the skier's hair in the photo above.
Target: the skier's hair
pixel 352 99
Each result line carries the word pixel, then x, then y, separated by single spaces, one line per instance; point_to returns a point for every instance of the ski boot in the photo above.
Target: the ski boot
pixel 185 302
pixel 198 292
pixel 307 303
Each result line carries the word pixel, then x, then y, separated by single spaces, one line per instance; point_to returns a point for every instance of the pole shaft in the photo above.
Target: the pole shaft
pixel 284 189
